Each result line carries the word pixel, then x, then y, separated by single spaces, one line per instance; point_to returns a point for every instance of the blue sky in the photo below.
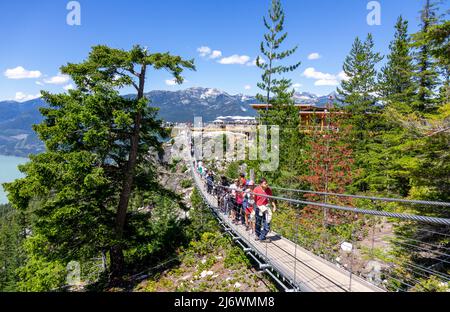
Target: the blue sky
pixel 36 40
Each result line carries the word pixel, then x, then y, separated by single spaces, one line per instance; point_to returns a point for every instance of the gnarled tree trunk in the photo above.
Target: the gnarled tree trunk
pixel 116 251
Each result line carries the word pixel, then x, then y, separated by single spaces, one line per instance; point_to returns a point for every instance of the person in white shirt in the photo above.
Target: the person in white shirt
pixel 249 202
pixel 233 188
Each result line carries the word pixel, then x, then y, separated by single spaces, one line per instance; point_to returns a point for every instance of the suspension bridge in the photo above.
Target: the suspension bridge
pixel 296 268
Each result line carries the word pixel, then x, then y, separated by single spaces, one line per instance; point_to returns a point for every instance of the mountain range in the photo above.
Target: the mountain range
pixel 16 119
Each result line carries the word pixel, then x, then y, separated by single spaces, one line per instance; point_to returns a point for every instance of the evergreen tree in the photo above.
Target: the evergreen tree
pixel 397 88
pixel 427 76
pixel 399 148
pixel 12 255
pixel 270 48
pixel 396 83
pixel 96 147
pixel 359 91
pixel 286 114
pixel 279 95
pixel 438 36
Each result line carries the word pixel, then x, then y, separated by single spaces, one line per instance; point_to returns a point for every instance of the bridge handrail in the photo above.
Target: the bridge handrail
pixel 387 199
pixel 425 219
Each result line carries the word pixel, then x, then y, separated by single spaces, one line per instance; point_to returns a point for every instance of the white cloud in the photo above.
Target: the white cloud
pixel 343 76
pixel 314 56
pixel 204 51
pixel 324 79
pixel 235 59
pixel 216 54
pixel 21 73
pixel 312 73
pixel 327 82
pixel 22 97
pixel 69 87
pixel 297 86
pixel 39 83
pixel 247 87
pixel 171 82
pixel 58 79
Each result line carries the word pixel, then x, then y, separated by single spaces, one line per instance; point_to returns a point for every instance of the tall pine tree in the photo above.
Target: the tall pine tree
pixel 96 147
pixel 359 93
pixel 279 94
pixel 396 83
pixel 397 89
pixel 427 76
pixel 270 48
pixel 438 36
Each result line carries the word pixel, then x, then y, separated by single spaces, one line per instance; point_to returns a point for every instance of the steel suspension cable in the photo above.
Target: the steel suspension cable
pixel 425 219
pixel 386 199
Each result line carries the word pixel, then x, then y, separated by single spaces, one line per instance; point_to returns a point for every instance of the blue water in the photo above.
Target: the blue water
pixel 9 172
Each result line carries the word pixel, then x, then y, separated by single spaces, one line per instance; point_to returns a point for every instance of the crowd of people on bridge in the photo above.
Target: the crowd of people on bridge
pixel 242 201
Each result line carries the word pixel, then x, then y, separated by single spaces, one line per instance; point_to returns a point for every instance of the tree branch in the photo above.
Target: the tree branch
pixel 438 131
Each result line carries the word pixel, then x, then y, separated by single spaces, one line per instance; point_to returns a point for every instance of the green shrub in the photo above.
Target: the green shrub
pixel 41 275
pixel 236 259
pixel 210 261
pixel 432 284
pixel 233 170
pixel 186 183
pixel 205 245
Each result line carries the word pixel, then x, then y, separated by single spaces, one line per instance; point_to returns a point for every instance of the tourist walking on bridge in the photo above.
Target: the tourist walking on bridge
pixel 263 210
pixel 200 168
pixel 249 201
pixel 223 195
pixel 232 201
pixel 239 202
pixel 210 182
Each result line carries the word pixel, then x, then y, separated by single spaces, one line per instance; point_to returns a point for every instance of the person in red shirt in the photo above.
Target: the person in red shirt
pixel 263 210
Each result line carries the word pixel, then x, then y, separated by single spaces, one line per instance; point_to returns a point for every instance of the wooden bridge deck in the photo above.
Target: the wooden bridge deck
pixel 295 263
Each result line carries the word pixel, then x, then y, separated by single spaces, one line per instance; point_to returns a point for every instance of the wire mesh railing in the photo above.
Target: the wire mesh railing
pixel 365 243
pixel 408 250
pixel 374 198
pixel 391 243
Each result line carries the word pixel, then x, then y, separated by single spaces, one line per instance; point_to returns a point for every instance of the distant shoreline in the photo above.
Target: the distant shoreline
pixel 9 172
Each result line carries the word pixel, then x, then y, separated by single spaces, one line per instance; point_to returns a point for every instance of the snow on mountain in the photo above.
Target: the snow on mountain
pixel 210 93
pixel 16 119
